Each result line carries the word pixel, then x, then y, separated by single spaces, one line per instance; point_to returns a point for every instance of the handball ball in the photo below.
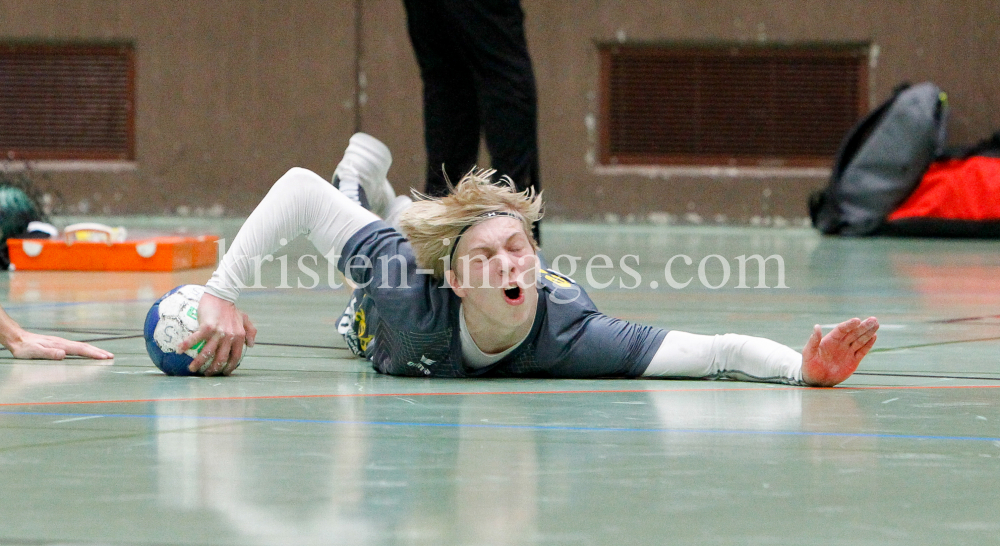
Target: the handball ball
pixel 169 322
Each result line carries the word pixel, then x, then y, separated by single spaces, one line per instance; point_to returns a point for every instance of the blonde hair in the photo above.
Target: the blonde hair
pixel 433 225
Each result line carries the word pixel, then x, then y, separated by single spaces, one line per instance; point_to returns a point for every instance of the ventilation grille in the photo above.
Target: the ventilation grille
pixel 729 105
pixel 66 101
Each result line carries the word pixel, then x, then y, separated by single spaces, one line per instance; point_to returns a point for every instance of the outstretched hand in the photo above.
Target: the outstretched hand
pixel 830 359
pixel 224 329
pixel 28 345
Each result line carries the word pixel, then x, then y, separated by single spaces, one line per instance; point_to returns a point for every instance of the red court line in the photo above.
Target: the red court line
pixel 480 393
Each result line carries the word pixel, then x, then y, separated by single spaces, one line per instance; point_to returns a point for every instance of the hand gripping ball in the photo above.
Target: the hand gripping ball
pixel 169 322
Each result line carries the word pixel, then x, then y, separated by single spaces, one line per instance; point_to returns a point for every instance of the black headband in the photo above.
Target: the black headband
pixel 485 215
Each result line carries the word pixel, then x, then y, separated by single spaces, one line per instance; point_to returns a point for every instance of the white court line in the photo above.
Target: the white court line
pixel 77 419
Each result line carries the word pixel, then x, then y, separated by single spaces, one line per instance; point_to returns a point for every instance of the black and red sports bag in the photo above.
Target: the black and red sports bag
pixel 892 177
pixel 958 196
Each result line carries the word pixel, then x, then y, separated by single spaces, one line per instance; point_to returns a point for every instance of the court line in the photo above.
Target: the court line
pixel 303 346
pixel 73 419
pixel 539 428
pixel 62 304
pixel 261 343
pixel 483 393
pixel 115 338
pixel 93 331
pixel 927 376
pixel 134 336
pixel 935 344
pixel 963 319
pixel 299 346
pixel 95 340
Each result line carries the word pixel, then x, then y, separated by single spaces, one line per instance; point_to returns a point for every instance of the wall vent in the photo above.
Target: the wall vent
pixel 729 104
pixel 67 101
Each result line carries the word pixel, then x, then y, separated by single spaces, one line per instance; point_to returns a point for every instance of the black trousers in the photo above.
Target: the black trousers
pixel 478 79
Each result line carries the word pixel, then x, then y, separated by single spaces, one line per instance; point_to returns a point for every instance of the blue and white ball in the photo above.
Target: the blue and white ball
pixel 169 322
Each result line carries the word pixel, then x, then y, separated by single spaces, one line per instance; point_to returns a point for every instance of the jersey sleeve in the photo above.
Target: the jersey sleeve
pixel 380 261
pixel 578 341
pixel 609 347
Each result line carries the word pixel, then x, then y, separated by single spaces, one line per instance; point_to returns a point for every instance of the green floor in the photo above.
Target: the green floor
pixel 305 445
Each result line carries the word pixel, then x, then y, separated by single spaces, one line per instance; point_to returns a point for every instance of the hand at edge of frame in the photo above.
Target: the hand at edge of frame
pixel 25 344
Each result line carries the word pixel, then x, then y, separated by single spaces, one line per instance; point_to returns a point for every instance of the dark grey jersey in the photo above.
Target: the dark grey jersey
pixel 407 323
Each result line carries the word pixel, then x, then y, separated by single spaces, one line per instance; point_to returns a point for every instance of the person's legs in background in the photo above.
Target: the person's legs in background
pixel 451 108
pixel 494 38
pixel 478 77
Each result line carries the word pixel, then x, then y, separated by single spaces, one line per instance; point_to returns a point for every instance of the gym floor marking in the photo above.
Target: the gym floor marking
pixel 489 393
pixel 539 428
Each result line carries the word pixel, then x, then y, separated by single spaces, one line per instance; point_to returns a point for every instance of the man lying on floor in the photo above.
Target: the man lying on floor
pixel 452 287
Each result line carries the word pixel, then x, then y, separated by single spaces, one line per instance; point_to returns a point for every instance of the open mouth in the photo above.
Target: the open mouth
pixel 514 295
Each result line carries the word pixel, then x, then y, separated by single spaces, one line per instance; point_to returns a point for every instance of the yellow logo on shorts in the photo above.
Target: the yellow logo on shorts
pixel 359 320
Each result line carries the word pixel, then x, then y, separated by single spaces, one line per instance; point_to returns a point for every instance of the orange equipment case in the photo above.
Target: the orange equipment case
pixel 163 253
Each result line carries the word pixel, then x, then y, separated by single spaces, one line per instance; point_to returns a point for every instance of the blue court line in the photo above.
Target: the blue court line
pixel 642 290
pixel 540 428
pixel 60 304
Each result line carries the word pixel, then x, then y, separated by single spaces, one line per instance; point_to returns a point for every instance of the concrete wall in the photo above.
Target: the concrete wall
pixel 231 93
